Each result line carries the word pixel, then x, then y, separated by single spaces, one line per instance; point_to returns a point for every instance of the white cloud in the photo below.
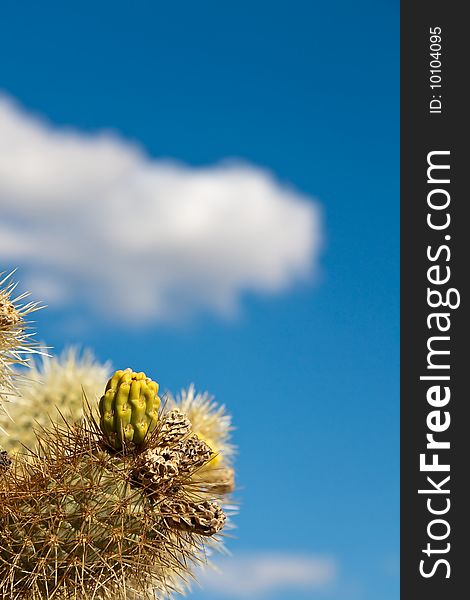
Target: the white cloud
pixel 93 218
pixel 258 575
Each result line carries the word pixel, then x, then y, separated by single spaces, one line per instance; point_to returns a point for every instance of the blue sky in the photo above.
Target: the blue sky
pixel 305 91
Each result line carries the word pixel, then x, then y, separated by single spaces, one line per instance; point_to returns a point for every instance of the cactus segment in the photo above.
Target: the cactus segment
pixel 129 408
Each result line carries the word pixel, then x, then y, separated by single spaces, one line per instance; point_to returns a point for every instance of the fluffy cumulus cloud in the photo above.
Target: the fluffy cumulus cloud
pixel 92 218
pixel 260 575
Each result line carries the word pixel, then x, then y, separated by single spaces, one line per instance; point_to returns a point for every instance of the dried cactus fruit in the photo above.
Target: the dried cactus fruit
pixel 156 469
pixel 172 458
pixel 204 518
pixel 9 316
pixel 129 408
pixel 174 427
pixel 194 454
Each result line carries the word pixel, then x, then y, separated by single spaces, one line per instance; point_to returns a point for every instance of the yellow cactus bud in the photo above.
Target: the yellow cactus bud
pixel 129 408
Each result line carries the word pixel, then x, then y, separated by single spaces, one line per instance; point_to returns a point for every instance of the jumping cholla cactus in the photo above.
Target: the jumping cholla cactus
pixel 118 500
pixel 51 387
pixel 15 338
pixel 117 508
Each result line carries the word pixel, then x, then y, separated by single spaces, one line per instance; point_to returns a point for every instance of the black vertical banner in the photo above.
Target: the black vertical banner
pixel 435 271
